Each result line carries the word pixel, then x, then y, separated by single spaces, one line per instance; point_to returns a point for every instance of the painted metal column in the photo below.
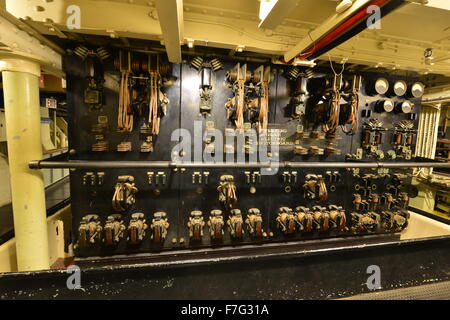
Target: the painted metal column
pixel 23 130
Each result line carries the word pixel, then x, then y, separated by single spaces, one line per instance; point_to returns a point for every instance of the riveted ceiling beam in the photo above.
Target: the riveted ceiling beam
pixel 18 41
pixel 273 12
pixel 170 14
pixel 214 26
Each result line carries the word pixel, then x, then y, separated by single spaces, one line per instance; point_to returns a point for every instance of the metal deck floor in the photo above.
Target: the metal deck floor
pixel 57 196
pixel 434 291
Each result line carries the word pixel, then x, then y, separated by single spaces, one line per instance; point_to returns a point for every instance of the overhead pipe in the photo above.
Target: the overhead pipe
pixel 350 27
pixel 359 16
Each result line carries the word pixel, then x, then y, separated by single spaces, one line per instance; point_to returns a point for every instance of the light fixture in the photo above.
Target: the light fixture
pixel 240 48
pixel 190 43
pixel 265 7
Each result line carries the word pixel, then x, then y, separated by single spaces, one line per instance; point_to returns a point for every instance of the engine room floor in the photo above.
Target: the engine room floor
pixel 433 291
pixel 57 196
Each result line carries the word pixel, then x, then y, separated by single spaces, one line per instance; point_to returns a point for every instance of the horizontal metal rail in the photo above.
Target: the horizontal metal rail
pixel 84 164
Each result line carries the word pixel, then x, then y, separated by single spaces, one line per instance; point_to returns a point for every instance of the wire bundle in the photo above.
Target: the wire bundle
pixel 125 113
pixel 343 221
pixel 240 105
pixel 353 117
pixel 227 194
pixel 154 118
pixel 123 196
pixel 333 120
pixel 323 193
pixel 264 108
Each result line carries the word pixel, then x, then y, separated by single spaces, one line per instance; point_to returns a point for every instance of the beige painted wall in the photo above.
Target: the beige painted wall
pixel 56 226
pixel 5 189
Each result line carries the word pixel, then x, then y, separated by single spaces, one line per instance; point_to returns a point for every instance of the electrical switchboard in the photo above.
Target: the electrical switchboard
pixel 247 123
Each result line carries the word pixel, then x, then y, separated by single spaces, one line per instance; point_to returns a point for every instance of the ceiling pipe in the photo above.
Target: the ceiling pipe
pixel 342 29
pixel 348 28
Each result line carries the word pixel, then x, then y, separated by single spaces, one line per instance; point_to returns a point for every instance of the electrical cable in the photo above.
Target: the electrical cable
pixel 125 113
pixel 323 193
pixel 240 105
pixel 333 121
pixel 353 117
pixel 154 116
pixel 332 68
pixel 264 108
pixel 312 50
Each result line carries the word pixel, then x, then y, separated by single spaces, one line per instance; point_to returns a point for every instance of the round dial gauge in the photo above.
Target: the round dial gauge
pixel 388 105
pixel 400 88
pixel 417 89
pixel 381 85
pixel 406 106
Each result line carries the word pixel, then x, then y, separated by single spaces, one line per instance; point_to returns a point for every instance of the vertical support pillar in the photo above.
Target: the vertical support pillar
pixel 23 130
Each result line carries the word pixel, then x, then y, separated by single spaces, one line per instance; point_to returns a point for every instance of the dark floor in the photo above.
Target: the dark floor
pixel 422 261
pixel 434 291
pixel 56 197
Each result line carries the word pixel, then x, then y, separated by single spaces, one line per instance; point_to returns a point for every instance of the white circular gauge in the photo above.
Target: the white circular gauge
pixel 417 89
pixel 388 105
pixel 400 88
pixel 381 86
pixel 406 106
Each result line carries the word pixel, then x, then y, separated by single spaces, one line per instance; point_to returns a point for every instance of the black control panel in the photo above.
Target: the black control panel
pixel 138 107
